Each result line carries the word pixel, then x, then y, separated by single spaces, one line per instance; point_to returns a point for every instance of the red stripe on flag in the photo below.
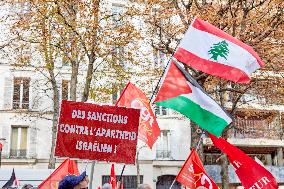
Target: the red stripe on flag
pixel 207 27
pixel 212 68
pixel 174 84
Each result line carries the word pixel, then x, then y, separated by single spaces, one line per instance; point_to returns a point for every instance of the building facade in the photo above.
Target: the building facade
pixel 26 112
pixel 26 125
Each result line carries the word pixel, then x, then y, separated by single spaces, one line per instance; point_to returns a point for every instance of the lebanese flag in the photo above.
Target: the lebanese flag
pixel 112 180
pixel 133 97
pixel 12 182
pixel 193 174
pixel 182 95
pixel 68 167
pixel 251 174
pixel 209 49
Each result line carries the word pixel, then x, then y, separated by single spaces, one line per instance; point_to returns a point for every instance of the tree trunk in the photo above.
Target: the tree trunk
pixel 138 165
pixel 89 77
pixel 51 164
pixel 48 56
pixel 196 133
pixel 74 80
pixel 138 170
pixel 74 52
pixel 224 160
pixel 92 54
pixel 224 171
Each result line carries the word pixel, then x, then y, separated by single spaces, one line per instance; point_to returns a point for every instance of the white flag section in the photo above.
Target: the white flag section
pixel 209 49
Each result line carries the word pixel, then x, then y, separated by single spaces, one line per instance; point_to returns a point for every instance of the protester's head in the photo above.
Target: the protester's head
pixel 107 186
pixel 74 182
pixel 27 186
pixel 144 186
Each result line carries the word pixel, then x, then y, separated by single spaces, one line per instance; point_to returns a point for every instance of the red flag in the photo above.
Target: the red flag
pixel 1 146
pixel 112 180
pixel 251 174
pixel 133 97
pixel 68 167
pixel 193 174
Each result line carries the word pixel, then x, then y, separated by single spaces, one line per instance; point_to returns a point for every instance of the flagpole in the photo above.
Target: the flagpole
pixel 121 173
pixel 86 165
pixel 120 178
pixel 168 63
pixel 172 183
pixel 200 139
pixel 92 174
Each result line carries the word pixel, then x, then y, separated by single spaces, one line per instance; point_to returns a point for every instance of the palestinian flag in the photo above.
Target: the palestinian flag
pixel 209 49
pixel 188 98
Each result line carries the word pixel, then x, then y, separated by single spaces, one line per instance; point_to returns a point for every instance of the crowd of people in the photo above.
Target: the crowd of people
pixel 82 182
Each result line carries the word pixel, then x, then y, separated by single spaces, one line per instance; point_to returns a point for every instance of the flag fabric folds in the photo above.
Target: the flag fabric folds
pixel 209 49
pixel 193 175
pixel 178 93
pixel 12 182
pixel 251 174
pixel 68 167
pixel 133 97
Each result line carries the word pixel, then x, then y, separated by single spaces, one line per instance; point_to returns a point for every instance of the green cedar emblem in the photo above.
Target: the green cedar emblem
pixel 219 49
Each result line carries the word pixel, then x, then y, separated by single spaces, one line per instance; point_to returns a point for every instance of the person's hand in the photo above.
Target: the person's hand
pixel 118 185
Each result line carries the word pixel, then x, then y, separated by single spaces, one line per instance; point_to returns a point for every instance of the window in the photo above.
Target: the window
pixel 65 61
pixel 21 93
pixel 212 158
pixel 115 95
pixel 117 11
pixel 160 58
pixel 159 110
pixel 19 136
pixel 163 145
pixel 118 55
pixel 65 90
pixel 129 181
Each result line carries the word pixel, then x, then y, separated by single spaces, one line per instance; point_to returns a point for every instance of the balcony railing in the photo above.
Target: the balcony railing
pixel 163 154
pixel 18 105
pixel 18 153
pixel 214 172
pixel 244 128
pixel 211 159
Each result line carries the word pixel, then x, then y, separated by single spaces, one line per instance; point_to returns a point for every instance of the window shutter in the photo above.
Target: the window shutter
pixel 32 142
pixel 34 95
pixel 8 93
